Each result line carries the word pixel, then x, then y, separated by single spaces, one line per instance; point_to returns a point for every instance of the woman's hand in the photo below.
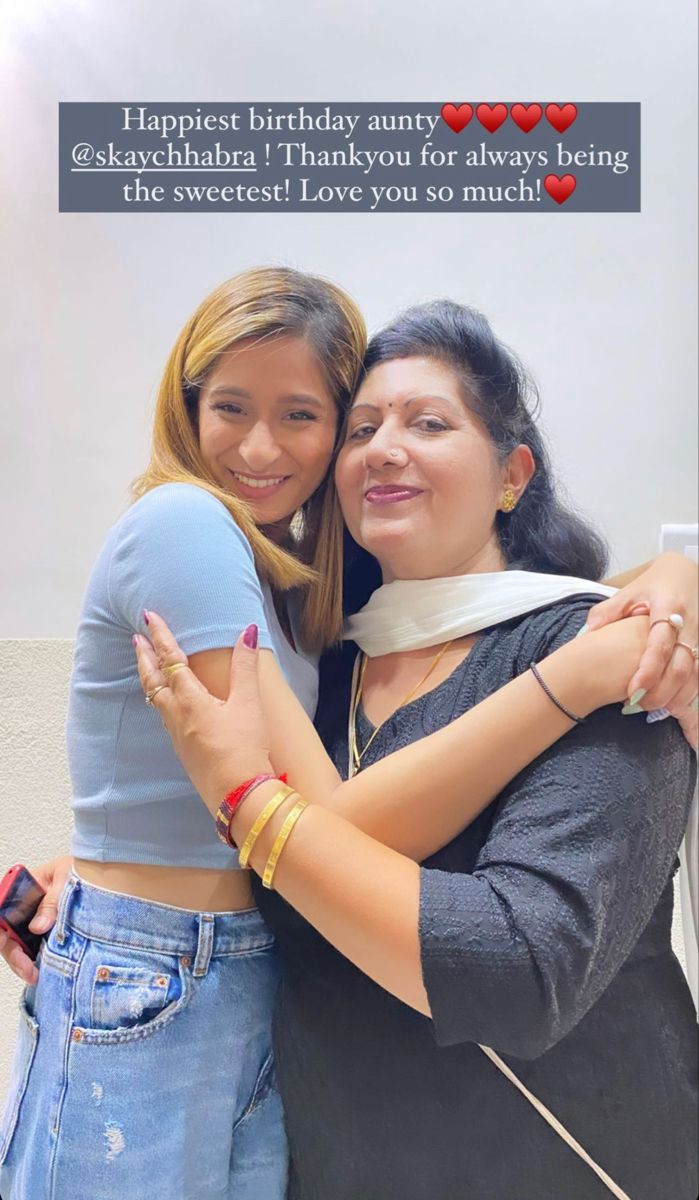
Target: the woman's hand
pixel 666 673
pixel 52 877
pixel 609 656
pixel 605 660
pixel 220 743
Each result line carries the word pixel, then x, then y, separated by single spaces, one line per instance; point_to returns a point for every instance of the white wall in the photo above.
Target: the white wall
pixel 602 307
pixel 34 782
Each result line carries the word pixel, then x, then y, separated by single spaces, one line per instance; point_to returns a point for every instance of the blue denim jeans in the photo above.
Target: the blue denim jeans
pixel 143 1068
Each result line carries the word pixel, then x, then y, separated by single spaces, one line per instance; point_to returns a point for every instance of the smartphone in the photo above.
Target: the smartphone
pixel 20 896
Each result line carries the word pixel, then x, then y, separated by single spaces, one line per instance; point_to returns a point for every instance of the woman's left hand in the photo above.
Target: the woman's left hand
pixel 220 743
pixel 667 672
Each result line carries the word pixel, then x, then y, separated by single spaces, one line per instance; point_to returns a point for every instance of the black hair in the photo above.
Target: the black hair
pixel 543 533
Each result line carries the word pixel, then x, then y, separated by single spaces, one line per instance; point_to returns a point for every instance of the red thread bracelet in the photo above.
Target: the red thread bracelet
pixel 232 801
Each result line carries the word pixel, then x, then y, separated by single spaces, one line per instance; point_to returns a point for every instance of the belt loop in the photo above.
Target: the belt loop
pixel 72 885
pixel 205 944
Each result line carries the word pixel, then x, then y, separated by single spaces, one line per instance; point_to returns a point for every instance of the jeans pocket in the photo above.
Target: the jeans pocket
pixel 126 996
pixel 27 1038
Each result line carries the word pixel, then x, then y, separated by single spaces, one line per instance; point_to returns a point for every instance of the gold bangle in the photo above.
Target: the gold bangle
pixel 258 825
pixel 281 840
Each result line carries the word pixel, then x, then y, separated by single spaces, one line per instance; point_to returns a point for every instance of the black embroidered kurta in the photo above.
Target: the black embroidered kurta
pixel 545 933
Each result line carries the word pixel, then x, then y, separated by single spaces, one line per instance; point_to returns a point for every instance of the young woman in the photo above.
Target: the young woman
pixel 246 424
pixel 532 1035
pixel 158 927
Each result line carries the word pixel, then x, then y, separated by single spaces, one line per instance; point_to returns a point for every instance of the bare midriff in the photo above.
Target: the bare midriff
pixel 195 888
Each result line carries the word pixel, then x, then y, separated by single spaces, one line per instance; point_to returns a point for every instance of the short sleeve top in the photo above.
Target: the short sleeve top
pixel 179 552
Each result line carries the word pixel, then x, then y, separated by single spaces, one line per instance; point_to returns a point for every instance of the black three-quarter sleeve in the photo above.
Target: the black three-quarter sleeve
pixel 582 845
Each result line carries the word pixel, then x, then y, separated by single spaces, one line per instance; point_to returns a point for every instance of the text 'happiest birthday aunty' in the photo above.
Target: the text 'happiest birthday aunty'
pixel 350 158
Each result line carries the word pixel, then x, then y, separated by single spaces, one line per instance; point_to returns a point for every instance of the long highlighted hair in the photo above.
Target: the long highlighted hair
pixel 261 303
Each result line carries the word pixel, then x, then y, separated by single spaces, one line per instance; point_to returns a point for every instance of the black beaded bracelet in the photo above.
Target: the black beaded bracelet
pixel 566 711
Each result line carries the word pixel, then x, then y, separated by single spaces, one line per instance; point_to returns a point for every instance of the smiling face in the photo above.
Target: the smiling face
pixel 267 425
pixel 418 476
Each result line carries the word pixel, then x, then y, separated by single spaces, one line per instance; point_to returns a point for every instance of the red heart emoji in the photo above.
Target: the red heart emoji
pixel 526 115
pixel 491 116
pixel 457 118
pixel 559 117
pixel 560 189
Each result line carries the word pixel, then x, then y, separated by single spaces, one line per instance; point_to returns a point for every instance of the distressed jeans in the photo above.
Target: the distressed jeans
pixel 143 1068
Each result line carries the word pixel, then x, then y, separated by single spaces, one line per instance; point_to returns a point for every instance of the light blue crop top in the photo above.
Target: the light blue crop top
pixel 177 551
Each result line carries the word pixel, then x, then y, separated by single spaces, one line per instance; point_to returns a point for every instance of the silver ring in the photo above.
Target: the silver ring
pixel 150 696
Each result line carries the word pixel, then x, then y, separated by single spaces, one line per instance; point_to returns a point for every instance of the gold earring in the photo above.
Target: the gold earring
pixel 509 501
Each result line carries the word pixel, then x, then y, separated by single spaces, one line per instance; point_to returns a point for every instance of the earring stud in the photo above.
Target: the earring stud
pixel 509 501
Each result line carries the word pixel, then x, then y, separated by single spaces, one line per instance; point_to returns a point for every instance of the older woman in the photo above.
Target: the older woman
pixel 532 1035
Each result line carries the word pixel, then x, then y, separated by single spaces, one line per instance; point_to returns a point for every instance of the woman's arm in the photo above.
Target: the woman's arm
pixel 394 799
pixel 418 798
pixel 365 898
pixel 624 578
pixel 415 801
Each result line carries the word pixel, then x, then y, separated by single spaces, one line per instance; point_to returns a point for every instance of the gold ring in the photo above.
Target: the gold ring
pixel 693 650
pixel 168 671
pixel 150 696
pixel 675 622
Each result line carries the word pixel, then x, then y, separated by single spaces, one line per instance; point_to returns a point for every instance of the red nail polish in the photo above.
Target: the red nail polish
pixel 146 617
pixel 250 637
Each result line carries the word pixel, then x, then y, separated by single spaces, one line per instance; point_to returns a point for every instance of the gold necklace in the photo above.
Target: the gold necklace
pixel 355 755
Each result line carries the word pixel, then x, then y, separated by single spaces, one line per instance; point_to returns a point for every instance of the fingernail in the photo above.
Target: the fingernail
pixel 250 637
pixel 695 704
pixel 658 714
pixel 630 710
pixel 40 924
pixel 582 631
pixel 134 641
pixel 638 695
pixel 146 616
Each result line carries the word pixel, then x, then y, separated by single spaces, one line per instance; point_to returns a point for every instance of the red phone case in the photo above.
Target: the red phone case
pixel 5 887
pixel 8 879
